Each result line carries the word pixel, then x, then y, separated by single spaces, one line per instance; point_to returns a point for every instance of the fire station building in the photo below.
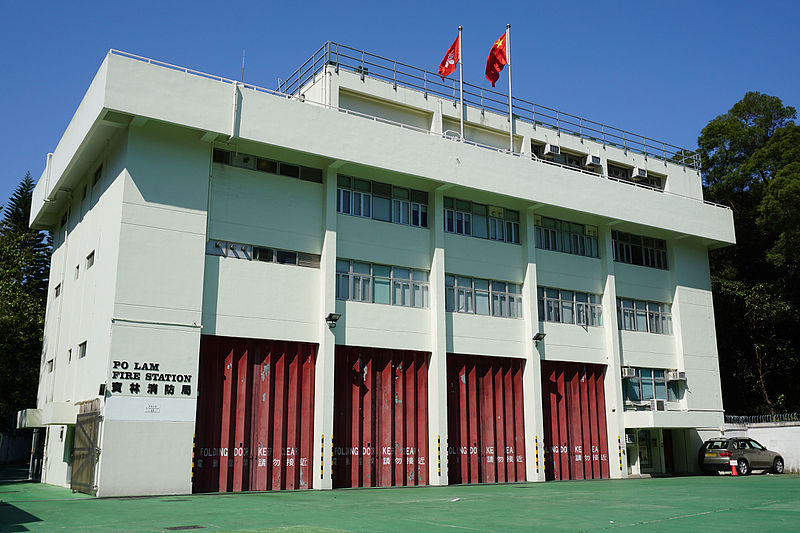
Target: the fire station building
pixel 326 285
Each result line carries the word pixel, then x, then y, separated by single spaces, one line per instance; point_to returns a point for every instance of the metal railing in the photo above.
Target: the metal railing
pixel 289 90
pixel 398 73
pixel 762 419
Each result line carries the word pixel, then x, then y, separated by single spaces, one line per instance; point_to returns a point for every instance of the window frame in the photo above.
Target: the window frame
pixel 405 205
pixel 671 389
pixel 639 250
pixel 462 292
pixel 462 217
pixel 415 287
pixel 657 316
pixel 554 238
pixel 552 306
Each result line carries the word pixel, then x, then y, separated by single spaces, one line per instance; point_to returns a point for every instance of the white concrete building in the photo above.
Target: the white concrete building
pixel 207 234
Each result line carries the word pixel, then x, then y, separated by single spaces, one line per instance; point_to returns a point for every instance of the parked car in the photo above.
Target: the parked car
pixel 715 455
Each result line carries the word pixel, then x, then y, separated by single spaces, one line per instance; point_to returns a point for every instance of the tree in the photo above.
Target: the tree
pixel 24 266
pixel 751 162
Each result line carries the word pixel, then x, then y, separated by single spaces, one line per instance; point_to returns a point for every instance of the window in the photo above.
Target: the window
pixel 567 237
pixel 284 257
pixel 570 160
pixel 639 315
pixel 626 174
pixel 263 254
pixel 482 296
pixel 569 307
pixel 619 172
pixel 479 220
pixel 381 201
pixel 269 166
pixel 77 271
pixel 383 284
pixel 291 171
pixel 639 250
pixel 69 355
pixel 648 384
pixel 50 365
pixel 57 291
pixel 82 350
pixel 90 260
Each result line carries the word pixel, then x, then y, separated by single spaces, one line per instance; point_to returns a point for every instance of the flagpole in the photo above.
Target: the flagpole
pixel 508 66
pixel 461 81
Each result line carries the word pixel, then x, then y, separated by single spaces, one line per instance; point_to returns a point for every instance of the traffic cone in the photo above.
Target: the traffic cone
pixel 733 469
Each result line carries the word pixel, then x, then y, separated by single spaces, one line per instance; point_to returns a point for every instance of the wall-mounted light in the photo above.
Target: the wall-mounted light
pixel 332 319
pixel 538 337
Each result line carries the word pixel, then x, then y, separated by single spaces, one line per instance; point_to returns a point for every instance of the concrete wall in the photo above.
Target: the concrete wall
pixel 157 312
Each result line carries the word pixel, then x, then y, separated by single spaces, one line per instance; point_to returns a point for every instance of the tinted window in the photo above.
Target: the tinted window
pixel 717 445
pixel 756 446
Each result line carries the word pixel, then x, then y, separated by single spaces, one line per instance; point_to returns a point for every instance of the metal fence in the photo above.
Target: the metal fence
pixel 761 419
pixel 398 73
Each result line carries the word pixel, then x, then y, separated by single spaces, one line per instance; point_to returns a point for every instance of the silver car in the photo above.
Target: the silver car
pixel 716 455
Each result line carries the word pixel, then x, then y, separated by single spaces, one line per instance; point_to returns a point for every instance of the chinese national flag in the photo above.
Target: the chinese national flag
pixel 497 59
pixel 448 64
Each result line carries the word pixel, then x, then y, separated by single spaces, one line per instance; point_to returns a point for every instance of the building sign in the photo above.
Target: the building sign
pixel 148 378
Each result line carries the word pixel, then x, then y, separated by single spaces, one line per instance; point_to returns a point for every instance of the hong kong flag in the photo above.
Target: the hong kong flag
pixel 448 64
pixel 497 59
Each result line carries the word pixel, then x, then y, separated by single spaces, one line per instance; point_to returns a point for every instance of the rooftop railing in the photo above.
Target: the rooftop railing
pixel 448 135
pixel 365 64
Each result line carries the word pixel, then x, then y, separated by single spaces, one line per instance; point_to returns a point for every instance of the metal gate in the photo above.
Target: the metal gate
pixel 85 452
pixel 486 434
pixel 573 404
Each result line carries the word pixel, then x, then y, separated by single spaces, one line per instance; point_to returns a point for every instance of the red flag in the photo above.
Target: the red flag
pixel 497 59
pixel 448 64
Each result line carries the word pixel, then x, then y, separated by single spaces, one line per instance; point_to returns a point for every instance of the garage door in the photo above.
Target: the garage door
pixel 255 413
pixel 380 427
pixel 486 434
pixel 573 404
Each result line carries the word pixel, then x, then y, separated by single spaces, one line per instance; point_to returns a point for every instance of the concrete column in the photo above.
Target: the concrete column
pixel 676 308
pixel 525 148
pixel 532 376
pixel 436 122
pixel 323 379
pixel 615 422
pixel 437 370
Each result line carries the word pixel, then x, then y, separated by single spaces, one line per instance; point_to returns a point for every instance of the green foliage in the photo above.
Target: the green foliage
pixel 24 266
pixel 751 161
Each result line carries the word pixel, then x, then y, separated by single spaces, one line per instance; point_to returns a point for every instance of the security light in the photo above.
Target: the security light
pixel 538 337
pixel 332 319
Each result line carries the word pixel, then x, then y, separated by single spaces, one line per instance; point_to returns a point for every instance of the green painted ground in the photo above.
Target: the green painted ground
pixel 724 503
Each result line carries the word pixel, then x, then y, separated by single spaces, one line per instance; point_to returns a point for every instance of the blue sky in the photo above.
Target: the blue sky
pixel 660 69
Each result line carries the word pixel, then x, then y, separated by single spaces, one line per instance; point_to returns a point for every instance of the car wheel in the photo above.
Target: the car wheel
pixel 743 467
pixel 777 466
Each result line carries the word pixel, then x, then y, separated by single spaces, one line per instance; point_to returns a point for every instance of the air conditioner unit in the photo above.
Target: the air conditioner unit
pixel 628 372
pixel 592 161
pixel 658 405
pixel 639 173
pixel 551 150
pixel 675 375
